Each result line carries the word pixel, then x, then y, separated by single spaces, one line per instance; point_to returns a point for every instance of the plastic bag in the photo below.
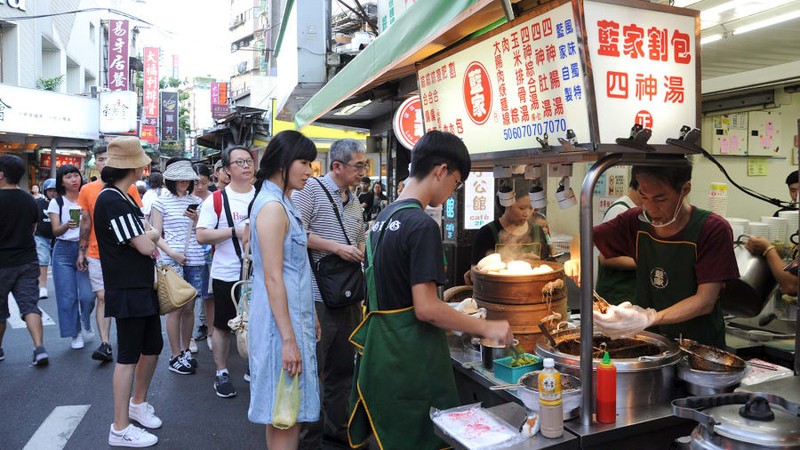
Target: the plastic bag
pixel 476 428
pixel 623 320
pixel 287 402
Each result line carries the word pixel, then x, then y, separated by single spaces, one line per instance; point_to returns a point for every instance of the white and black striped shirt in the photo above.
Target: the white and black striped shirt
pixel 319 218
pixel 176 225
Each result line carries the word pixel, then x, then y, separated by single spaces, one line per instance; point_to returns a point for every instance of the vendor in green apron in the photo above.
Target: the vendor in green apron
pixel 403 364
pixel 684 255
pixel 512 234
pixel 616 277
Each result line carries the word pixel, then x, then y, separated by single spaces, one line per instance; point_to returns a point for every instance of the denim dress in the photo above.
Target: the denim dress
pixel 264 339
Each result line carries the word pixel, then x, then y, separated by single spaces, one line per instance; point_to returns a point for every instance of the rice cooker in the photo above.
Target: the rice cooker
pixel 740 421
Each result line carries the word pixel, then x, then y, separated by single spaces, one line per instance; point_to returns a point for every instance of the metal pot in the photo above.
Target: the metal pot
pixel 491 351
pixel 570 394
pixel 746 296
pixel 725 424
pixel 704 382
pixel 642 381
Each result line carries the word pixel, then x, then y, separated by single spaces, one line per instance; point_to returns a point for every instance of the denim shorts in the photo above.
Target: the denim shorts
pixel 23 282
pixel 192 274
pixel 43 249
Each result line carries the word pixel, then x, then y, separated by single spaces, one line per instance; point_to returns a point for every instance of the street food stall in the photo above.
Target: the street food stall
pixel 611 81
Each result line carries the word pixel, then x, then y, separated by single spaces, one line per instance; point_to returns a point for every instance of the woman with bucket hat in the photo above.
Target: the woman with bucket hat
pixel 126 249
pixel 174 216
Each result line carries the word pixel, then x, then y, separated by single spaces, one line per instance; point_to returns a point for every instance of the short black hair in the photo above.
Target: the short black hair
pixel 634 184
pixel 66 169
pixel 112 174
pixel 155 180
pixel 12 167
pixel 439 147
pixel 225 156
pixel 171 185
pixel 285 148
pixel 674 175
pixel 366 180
pixel 792 178
pixel 203 170
pixel 100 149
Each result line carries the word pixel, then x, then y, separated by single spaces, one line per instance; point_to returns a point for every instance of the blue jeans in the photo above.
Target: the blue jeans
pixel 74 295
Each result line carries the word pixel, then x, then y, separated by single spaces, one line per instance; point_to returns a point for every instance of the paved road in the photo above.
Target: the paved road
pixel 73 397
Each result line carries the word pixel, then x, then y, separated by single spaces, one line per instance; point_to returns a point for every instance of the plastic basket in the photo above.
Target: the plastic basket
pixel 504 371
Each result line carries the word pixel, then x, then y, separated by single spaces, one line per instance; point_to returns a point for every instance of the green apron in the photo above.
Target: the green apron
pixel 402 369
pixel 616 285
pixel 515 250
pixel 665 275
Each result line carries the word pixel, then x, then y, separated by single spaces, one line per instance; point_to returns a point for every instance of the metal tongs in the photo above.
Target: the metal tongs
pixel 600 304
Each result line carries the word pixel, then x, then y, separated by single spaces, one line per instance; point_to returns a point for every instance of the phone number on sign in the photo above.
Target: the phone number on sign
pixel 535 129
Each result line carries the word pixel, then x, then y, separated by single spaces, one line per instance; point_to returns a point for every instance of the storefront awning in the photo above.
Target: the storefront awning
pixel 426 28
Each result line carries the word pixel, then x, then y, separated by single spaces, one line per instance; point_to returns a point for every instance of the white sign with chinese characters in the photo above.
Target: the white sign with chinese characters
pixel 118 111
pixel 478 200
pixel 644 66
pixel 45 113
pixel 514 86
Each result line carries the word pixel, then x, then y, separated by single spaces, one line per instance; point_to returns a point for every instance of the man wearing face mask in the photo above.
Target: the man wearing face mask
pixel 683 258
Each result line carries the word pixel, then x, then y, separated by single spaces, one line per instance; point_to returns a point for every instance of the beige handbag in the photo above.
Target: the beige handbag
pixel 239 323
pixel 173 290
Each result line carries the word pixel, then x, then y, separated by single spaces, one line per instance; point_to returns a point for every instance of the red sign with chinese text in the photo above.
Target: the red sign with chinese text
pixel 151 85
pixel 407 122
pixel 61 160
pixel 477 92
pixel 118 55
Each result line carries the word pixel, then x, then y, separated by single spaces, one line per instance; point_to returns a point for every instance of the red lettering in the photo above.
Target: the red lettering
pixel 674 87
pixel 616 85
pixel 633 41
pixel 547 26
pixel 681 47
pixel 646 86
pixel 608 38
pixel 657 44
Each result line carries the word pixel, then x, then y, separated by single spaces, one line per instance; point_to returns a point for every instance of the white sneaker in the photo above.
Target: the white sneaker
pixel 77 342
pixel 43 292
pixel 208 341
pixel 144 414
pixel 88 335
pixel 131 436
pixel 193 346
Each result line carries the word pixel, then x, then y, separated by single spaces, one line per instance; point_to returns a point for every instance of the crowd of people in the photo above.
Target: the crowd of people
pixel 104 238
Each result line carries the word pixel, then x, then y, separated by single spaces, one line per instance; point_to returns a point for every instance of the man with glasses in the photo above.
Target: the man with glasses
pixel 225 231
pixel 683 258
pixel 326 236
pixel 403 368
pixel 89 252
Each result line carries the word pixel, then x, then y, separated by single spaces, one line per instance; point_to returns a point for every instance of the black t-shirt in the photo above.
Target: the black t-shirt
pixel 485 241
pixel 410 253
pixel 117 220
pixel 18 215
pixel 44 228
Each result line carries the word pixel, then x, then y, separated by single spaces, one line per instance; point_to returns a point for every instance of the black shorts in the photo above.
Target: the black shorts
pixel 138 336
pixel 223 305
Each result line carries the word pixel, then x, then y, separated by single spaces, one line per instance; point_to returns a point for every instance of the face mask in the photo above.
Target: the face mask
pixel 644 217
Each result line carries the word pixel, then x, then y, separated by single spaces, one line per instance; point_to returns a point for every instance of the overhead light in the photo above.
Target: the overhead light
pixel 767 22
pixel 350 109
pixel 710 39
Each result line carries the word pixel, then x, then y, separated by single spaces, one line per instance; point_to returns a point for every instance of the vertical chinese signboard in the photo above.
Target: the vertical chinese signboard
pixel 150 100
pixel 478 200
pixel 118 55
pixel 219 100
pixel 515 84
pixel 169 116
pixel 644 66
pixel 450 219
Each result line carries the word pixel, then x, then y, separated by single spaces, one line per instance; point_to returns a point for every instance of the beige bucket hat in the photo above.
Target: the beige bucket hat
pixel 126 152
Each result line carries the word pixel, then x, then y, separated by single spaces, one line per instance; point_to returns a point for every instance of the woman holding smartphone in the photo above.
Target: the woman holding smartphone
pixel 174 216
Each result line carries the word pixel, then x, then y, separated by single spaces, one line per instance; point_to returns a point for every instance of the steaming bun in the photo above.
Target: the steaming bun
pixel 493 259
pixel 520 267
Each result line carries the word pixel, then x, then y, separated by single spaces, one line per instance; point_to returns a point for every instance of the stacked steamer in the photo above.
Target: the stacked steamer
pixel 520 293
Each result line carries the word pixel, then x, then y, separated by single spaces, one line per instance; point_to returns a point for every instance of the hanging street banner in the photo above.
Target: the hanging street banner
pixel 169 116
pixel 645 66
pixel 219 100
pixel 407 123
pixel 118 71
pixel 514 85
pixel 151 82
pixel 118 111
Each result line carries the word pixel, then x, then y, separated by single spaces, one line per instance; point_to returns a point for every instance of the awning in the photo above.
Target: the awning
pixel 426 28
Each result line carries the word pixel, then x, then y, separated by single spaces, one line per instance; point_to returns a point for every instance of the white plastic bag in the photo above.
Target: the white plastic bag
pixel 287 402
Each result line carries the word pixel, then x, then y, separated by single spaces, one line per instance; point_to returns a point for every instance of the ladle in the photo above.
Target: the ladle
pixel 547 334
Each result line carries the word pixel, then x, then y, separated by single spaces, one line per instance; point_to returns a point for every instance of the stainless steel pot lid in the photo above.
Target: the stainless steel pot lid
pixel 753 418
pixel 783 429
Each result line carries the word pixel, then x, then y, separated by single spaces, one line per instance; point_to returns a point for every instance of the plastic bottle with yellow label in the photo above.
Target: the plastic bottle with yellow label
pixel 551 411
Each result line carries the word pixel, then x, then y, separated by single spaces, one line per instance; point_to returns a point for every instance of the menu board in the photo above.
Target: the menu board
pixel 644 65
pixel 517 83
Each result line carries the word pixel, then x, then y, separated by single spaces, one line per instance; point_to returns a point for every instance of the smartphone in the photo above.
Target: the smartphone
pixel 192 207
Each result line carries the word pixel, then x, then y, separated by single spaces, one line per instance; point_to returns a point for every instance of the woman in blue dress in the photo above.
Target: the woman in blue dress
pixel 283 329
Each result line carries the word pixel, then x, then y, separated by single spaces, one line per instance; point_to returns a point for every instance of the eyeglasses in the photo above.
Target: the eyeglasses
pixel 243 162
pixel 459 185
pixel 358 166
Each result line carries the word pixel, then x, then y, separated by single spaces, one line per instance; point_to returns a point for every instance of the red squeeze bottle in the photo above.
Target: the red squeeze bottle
pixel 606 407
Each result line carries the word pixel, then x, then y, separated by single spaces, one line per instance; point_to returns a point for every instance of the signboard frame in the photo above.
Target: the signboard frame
pixel 594 143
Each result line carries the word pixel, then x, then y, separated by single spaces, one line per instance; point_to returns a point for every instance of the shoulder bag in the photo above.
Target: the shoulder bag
pixel 341 283
pixel 240 295
pixel 173 291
